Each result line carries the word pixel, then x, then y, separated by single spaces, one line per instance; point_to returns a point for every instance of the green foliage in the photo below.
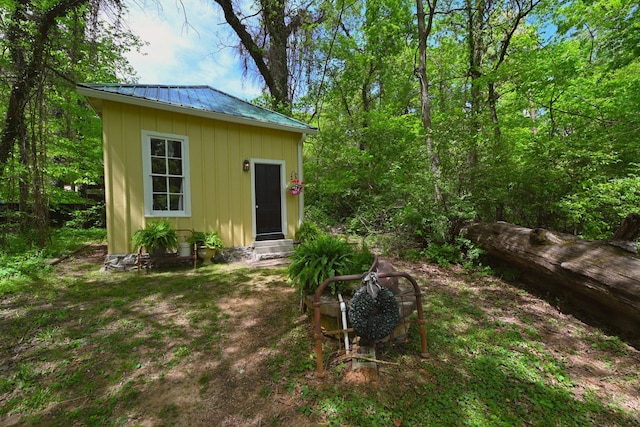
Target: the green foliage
pixel 21 264
pixel 443 254
pixel 597 210
pixel 62 133
pixel 94 216
pixel 307 231
pixel 15 270
pixel 315 213
pixel 65 239
pixel 211 240
pixel 315 261
pixel 156 235
pixel 426 223
pixel 557 151
pixel 197 237
pixel 462 252
pixel 362 259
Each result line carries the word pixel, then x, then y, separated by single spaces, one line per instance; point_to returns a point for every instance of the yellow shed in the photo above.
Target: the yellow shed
pixel 206 160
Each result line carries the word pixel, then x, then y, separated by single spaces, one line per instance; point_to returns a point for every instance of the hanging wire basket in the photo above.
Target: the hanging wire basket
pixel 295 186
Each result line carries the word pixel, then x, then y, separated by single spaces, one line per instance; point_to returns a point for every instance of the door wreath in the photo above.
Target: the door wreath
pixel 374 318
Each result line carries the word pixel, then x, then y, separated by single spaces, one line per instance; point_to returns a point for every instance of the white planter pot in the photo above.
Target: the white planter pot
pixel 184 250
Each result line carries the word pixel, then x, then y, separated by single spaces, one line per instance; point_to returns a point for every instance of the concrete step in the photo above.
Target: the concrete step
pixel 270 249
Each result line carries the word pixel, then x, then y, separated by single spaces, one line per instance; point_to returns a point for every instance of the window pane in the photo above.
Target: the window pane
pixel 175 167
pixel 174 149
pixel 166 181
pixel 157 147
pixel 158 166
pixel 175 185
pixel 176 203
pixel 159 184
pixel 160 202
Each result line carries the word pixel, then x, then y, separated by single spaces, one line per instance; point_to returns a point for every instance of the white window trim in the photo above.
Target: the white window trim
pixel 146 175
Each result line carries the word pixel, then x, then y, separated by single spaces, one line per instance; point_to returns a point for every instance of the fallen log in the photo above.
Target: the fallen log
pixel 595 276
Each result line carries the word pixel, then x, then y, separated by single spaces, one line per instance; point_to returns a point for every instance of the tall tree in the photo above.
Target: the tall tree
pixel 28 35
pixel 367 105
pixel 270 42
pixel 48 45
pixel 491 26
pixel 425 27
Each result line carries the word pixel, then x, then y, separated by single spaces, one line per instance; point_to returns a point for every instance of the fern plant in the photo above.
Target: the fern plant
pixel 308 231
pixel 319 259
pixel 157 235
pixel 211 240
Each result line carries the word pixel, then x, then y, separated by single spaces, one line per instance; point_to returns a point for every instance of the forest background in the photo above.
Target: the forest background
pixel 429 113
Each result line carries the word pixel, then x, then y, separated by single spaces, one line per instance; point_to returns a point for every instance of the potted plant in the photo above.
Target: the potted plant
pixel 208 244
pixel 156 237
pixel 197 237
pixel 296 186
pixel 185 249
pixel 318 259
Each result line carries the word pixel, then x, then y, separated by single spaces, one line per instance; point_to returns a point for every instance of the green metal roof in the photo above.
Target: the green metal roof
pixel 195 100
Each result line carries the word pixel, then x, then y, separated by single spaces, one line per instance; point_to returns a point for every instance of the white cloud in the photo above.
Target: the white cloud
pixel 187 52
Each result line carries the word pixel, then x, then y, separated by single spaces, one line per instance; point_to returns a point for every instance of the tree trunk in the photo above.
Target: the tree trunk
pixel 594 276
pixel 28 35
pixel 27 52
pixel 477 49
pixel 276 28
pixel 255 52
pixel 424 31
pixel 271 57
pixel 629 229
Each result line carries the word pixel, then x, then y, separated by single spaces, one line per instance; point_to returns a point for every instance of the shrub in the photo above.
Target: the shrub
pixel 315 261
pixel 211 240
pixel 307 231
pixel 462 252
pixel 362 260
pixel 315 214
pixel 94 216
pixel 596 211
pixel 156 235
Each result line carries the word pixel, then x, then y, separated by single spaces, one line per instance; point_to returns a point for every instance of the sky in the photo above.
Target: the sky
pixel 197 53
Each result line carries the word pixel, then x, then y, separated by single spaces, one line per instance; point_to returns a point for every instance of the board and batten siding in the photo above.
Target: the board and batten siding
pixel 221 198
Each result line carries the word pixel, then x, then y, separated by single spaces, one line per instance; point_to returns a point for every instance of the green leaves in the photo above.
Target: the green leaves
pixel 49 45
pixel 596 210
pixel 317 260
pixel 156 235
pixel 565 128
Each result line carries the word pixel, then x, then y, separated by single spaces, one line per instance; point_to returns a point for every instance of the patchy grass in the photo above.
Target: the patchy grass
pixel 226 345
pixel 21 264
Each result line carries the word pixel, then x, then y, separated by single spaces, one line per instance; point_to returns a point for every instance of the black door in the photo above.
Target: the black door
pixel 268 202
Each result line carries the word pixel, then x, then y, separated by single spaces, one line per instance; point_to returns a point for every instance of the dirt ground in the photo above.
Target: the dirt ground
pixel 239 376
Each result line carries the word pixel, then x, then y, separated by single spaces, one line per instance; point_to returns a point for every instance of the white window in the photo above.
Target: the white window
pixel 165 160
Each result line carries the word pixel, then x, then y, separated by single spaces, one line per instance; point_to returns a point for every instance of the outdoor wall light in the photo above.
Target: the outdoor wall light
pixel 246 166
